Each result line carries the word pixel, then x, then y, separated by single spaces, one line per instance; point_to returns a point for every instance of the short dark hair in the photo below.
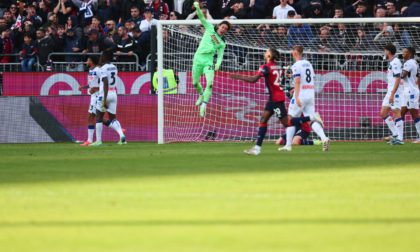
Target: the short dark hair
pixel 94 59
pixel 291 13
pixel 136 29
pixel 123 28
pixel 412 50
pixel 108 54
pixel 134 7
pixel 391 48
pixel 275 54
pixel 27 34
pixel 229 25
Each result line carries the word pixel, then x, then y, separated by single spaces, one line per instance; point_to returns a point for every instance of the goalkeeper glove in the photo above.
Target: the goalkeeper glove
pixel 216 67
pixel 196 5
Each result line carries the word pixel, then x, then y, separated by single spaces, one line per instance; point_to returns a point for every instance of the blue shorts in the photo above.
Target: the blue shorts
pixel 277 108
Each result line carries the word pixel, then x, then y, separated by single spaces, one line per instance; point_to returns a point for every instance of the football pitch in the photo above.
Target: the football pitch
pixel 359 196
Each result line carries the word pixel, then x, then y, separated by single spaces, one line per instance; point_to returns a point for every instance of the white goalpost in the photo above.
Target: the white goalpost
pixel 347 55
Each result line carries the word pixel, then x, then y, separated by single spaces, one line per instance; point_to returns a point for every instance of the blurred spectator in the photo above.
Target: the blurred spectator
pixel 143 42
pixel 280 38
pixel 2 23
pixel 7 15
pixel 223 8
pixel 238 10
pixel 413 10
pixel 380 12
pixel 146 24
pixel 28 53
pixel 174 15
pixel 4 5
pixel 386 36
pixel 357 9
pixel 126 6
pixel 205 11
pixel 391 11
pixel 280 11
pixel 187 8
pixel 159 8
pixel 6 45
pixel 14 10
pixel 72 45
pixel 300 34
pixel 112 11
pixel 135 16
pixel 362 40
pixel 87 9
pixel 97 42
pixel 96 24
pixel 254 9
pixel 52 21
pixel 42 10
pixel 72 23
pixel 338 12
pixel 399 4
pixel 329 8
pixel 111 32
pixel 45 45
pixel 63 10
pixel 32 17
pixel 314 11
pixel 263 33
pixel 343 38
pixel 323 44
pixel 130 26
pixel 126 44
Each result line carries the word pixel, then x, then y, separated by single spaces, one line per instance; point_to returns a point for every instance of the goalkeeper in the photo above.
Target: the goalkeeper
pixel 203 59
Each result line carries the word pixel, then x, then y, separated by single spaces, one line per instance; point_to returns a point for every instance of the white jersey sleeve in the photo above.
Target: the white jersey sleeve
pixel 411 68
pixel 93 77
pixel 394 71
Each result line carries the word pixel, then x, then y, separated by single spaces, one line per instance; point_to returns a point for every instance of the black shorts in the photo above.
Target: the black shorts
pixel 277 108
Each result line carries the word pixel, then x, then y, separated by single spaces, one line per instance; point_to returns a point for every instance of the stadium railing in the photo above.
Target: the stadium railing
pixel 14 66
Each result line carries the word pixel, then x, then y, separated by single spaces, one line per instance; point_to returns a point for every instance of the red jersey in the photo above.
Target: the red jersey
pixel 271 73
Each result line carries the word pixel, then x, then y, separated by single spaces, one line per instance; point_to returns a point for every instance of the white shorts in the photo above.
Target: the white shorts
pixel 308 107
pixel 92 106
pixel 111 101
pixel 411 101
pixel 395 105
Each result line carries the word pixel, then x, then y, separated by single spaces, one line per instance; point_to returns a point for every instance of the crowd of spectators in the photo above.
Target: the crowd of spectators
pixel 36 28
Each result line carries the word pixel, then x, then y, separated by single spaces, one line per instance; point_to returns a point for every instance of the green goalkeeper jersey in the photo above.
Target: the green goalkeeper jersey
pixel 211 41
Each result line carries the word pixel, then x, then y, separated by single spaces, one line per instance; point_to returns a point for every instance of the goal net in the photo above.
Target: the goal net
pixel 347 56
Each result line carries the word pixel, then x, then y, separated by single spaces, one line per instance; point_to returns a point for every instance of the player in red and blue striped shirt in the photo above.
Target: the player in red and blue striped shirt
pixel 271 72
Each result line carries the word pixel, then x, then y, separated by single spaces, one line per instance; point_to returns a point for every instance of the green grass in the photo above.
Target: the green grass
pixel 359 196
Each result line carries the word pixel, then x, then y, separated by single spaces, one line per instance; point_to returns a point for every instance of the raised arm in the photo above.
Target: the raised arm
pixel 200 15
pixel 219 58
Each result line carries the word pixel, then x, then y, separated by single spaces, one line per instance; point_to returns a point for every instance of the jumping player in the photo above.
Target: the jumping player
pixel 411 89
pixel 107 98
pixel 275 104
pixel 303 101
pixel 393 97
pixel 203 59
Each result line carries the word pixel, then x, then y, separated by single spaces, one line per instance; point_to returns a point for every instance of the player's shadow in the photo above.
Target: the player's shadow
pixel 273 222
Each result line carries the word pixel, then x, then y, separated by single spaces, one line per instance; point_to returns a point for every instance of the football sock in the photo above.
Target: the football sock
pixel 417 123
pixel 91 130
pixel 290 133
pixel 298 121
pixel 204 104
pixel 108 123
pixel 391 125
pixel 261 133
pixel 399 123
pixel 117 126
pixel 207 93
pixel 99 127
pixel 258 148
pixel 318 129
pixel 306 142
